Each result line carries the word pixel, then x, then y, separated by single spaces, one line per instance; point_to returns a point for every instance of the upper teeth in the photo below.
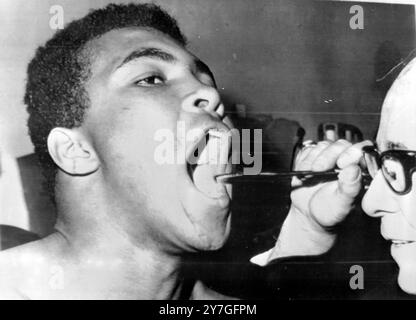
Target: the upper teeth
pixel 216 149
pixel 211 154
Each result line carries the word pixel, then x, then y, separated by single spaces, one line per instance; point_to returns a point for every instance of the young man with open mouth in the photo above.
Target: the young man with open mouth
pixel 97 94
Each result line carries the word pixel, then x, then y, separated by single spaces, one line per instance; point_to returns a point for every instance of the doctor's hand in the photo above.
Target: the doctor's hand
pixel 316 209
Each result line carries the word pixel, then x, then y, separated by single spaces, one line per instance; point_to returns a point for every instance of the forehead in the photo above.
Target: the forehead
pixel 398 115
pixel 112 47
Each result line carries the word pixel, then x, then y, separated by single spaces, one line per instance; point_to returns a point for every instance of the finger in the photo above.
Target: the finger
pixel 306 160
pixel 338 197
pixel 349 181
pixel 327 159
pixel 302 154
pixel 353 154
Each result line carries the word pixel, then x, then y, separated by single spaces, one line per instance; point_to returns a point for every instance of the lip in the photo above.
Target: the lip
pixel 400 250
pixel 397 230
pixel 399 242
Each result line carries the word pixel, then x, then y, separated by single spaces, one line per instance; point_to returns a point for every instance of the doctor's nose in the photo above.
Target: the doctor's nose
pixel 379 198
pixel 205 99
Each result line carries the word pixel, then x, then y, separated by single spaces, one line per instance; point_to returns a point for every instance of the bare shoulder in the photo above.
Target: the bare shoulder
pixel 202 292
pixel 9 275
pixel 20 267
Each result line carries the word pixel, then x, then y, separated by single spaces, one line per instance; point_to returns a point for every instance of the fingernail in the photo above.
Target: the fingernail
pixel 308 143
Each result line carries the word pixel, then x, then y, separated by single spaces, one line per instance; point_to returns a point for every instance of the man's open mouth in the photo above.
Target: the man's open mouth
pixel 207 158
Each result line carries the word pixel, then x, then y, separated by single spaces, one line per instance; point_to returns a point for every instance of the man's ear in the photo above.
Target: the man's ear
pixel 71 151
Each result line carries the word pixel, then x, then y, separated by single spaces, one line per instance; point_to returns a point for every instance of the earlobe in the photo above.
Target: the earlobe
pixel 71 152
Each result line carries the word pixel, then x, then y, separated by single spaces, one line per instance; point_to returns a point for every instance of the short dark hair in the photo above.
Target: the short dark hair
pixel 55 94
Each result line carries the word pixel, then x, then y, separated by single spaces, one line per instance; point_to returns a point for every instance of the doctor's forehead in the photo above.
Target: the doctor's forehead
pixel 398 115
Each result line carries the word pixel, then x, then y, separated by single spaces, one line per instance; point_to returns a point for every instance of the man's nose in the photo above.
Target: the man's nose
pixel 206 99
pixel 379 198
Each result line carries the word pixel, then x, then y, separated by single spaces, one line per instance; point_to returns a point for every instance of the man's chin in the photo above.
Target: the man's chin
pixel 202 209
pixel 405 257
pixel 208 218
pixel 407 280
pixel 210 233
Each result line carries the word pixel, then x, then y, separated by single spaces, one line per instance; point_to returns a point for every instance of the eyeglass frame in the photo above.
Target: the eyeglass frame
pixel 407 159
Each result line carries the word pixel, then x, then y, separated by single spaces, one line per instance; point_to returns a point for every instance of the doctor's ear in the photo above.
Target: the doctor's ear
pixel 72 152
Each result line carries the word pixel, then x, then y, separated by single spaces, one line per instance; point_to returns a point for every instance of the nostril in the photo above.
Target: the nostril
pixel 201 103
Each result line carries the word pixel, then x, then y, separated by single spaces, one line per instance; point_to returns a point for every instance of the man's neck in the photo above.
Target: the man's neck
pixel 88 237
pixel 120 266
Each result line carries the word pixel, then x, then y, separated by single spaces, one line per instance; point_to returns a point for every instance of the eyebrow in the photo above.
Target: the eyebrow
pixel 153 53
pixel 161 55
pixel 395 145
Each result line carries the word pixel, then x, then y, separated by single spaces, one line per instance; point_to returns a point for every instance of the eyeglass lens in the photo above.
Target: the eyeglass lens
pixel 392 169
pixel 371 163
pixel 394 173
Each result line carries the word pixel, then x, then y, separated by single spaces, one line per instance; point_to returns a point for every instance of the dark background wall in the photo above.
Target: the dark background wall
pixel 286 58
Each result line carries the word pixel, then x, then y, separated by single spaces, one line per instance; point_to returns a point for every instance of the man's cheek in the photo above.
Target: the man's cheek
pixel 407 205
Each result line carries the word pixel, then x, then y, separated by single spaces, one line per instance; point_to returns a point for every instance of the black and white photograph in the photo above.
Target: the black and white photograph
pixel 230 150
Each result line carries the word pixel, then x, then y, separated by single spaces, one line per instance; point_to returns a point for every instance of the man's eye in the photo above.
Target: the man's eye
pixel 392 174
pixel 150 81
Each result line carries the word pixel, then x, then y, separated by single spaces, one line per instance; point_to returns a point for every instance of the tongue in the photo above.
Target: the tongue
pixel 210 163
pixel 204 180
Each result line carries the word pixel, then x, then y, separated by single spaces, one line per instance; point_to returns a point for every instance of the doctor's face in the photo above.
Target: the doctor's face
pixel 397 131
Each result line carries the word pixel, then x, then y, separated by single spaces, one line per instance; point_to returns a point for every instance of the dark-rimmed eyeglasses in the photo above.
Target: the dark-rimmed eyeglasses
pixel 397 167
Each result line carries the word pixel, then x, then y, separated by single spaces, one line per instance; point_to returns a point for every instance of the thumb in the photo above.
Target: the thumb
pixel 349 182
pixel 335 200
